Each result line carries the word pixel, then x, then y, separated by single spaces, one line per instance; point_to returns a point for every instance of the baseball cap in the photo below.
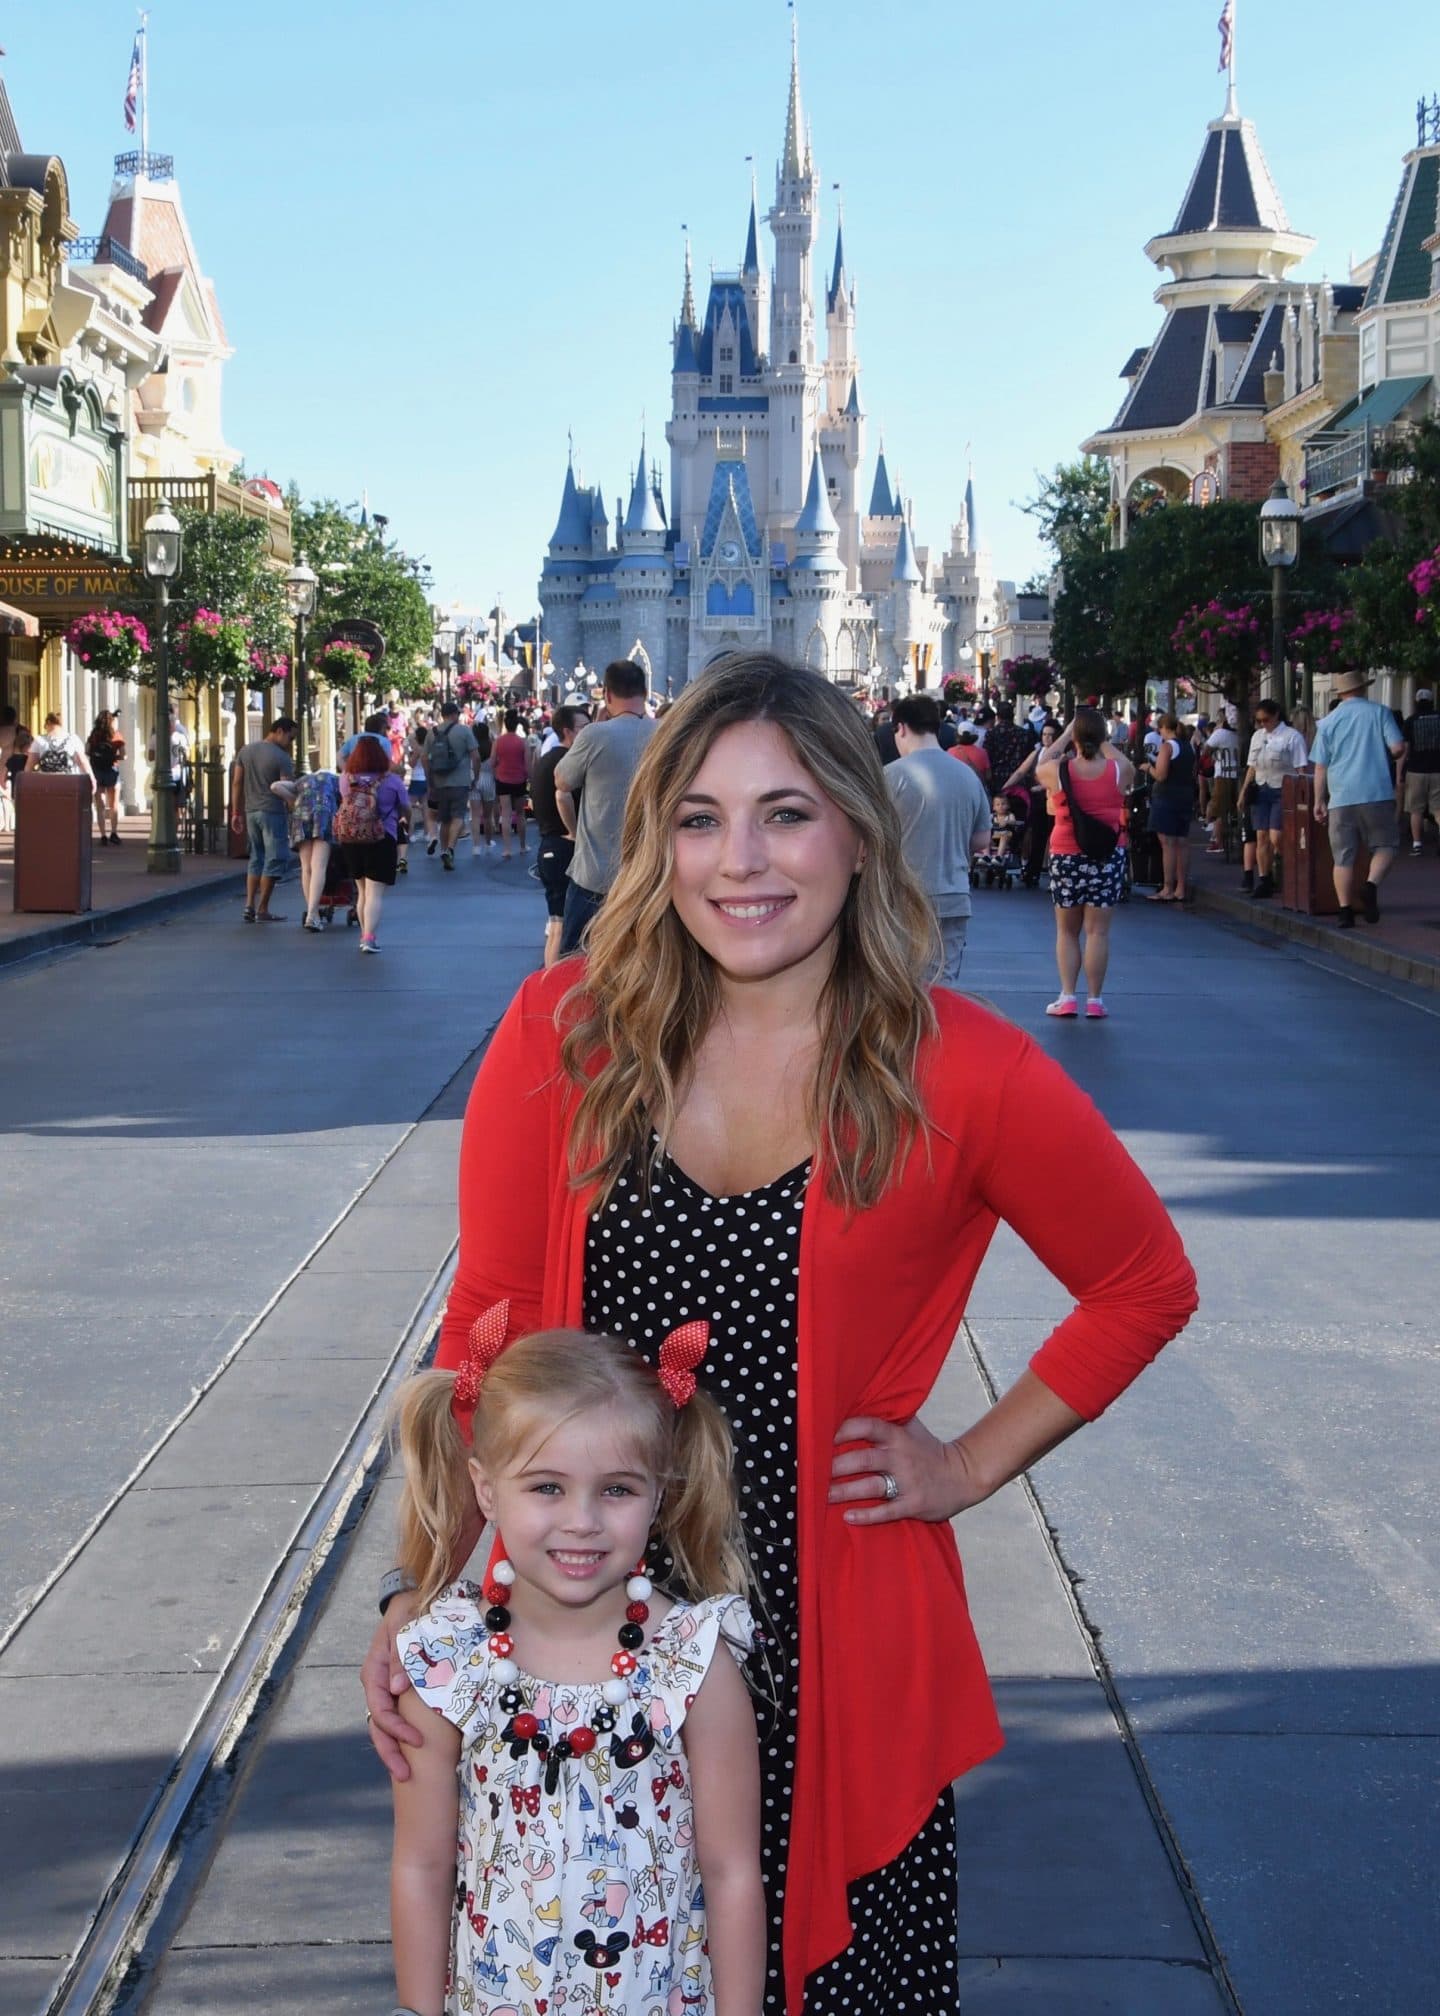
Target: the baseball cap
pixel 450 707
pixel 1423 693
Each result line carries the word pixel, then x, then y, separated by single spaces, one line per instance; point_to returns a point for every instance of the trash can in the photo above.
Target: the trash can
pixel 53 839
pixel 1308 872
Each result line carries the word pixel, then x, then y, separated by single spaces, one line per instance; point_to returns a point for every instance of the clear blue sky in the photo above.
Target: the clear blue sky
pixel 443 235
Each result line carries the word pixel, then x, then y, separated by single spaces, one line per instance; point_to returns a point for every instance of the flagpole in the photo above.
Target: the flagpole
pixel 1232 108
pixel 144 92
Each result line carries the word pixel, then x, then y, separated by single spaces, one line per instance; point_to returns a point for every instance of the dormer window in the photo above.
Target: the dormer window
pixel 727 353
pixel 727 382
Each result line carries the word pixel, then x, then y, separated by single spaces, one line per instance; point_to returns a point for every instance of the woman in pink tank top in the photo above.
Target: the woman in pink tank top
pixel 1087 855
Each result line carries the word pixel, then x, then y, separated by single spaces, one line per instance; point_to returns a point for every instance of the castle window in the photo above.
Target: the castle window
pixel 727 381
pixel 727 354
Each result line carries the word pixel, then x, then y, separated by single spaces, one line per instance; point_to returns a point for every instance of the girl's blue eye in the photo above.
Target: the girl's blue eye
pixel 624 1490
pixel 791 813
pixel 546 1486
pixel 695 822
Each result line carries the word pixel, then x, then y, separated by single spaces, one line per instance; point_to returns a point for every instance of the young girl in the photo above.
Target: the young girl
pixel 1002 856
pixel 588 1742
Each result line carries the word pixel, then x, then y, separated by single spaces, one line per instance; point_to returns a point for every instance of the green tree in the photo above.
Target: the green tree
pixel 225 567
pixel 1081 635
pixel 1385 604
pixel 1072 508
pixel 364 575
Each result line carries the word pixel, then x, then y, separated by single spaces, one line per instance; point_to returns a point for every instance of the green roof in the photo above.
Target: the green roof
pixel 1379 406
pixel 1404 272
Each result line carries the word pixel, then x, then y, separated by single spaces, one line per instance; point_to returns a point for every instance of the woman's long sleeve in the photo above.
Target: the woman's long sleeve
pixel 1096 1223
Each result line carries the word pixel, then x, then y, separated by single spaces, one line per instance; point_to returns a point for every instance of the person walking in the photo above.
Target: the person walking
pixel 256 812
pixel 944 823
pixel 1277 751
pixel 1418 771
pixel 1087 792
pixel 367 819
pixel 512 781
pixel 554 847
pixel 1038 821
pixel 603 759
pixel 57 751
pixel 1171 771
pixel 483 822
pixel 105 747
pixel 312 800
pixel 418 787
pixel 970 751
pixel 1355 792
pixel 743 1113
pixel 1223 746
pixel 451 756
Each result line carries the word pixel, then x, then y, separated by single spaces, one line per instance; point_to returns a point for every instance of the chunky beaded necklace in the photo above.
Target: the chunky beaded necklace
pixel 525 1730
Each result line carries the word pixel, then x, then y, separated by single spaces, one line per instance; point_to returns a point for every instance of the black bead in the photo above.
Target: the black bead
pixel 540 1744
pixel 562 1748
pixel 497 1618
pixel 511 1700
pixel 631 1636
pixel 603 1720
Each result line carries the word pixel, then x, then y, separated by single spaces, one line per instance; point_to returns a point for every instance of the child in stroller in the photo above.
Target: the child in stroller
pixel 1000 864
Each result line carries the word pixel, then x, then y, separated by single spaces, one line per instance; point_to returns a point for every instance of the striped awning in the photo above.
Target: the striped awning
pixel 17 622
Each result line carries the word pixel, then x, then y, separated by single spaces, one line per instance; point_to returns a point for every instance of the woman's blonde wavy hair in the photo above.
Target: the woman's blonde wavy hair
pixel 634 1023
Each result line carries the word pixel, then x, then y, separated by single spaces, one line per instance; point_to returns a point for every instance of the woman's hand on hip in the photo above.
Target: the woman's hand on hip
pixel 384 1679
pixel 931 1477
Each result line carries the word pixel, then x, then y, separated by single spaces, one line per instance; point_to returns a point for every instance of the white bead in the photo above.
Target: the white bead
pixel 617 1692
pixel 639 1588
pixel 503 1573
pixel 504 1672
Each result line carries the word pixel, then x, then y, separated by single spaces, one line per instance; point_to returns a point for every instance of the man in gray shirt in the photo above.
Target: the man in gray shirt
pixel 944 818
pixel 603 758
pixel 255 810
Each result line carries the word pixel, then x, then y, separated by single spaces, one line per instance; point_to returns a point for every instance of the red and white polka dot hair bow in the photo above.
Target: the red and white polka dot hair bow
pixel 680 1353
pixel 483 1346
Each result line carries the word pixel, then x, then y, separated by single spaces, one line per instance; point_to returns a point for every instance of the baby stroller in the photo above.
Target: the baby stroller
pixel 339 891
pixel 1001 865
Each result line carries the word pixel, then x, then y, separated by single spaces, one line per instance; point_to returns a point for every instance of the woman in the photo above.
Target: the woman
pixel 58 752
pixel 372 803
pixel 419 789
pixel 750 1050
pixel 482 788
pixel 312 801
pixel 1085 885
pixel 512 780
pixel 1171 771
pixel 1039 821
pixel 105 747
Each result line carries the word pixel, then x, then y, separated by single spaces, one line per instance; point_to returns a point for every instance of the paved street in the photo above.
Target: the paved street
pixel 191 1110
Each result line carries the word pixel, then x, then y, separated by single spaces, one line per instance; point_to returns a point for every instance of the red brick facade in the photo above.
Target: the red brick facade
pixel 1253 467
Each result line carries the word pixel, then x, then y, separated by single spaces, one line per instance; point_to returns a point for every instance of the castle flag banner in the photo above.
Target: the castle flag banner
pixel 132 88
pixel 1227 34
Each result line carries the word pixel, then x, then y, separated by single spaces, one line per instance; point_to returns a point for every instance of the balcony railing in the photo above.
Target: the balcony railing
pixel 107 251
pixel 213 494
pixel 158 167
pixel 1337 462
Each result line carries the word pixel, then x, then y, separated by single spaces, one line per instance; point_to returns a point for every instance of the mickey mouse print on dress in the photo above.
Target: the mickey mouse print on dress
pixel 607 1844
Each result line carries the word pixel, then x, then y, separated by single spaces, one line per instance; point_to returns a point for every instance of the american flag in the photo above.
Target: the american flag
pixel 1227 34
pixel 132 87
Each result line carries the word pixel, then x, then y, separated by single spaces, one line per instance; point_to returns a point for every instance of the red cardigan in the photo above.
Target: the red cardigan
pixel 894 1702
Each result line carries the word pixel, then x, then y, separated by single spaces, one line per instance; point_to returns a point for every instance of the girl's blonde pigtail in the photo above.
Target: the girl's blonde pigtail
pixel 700 1512
pixel 437 1497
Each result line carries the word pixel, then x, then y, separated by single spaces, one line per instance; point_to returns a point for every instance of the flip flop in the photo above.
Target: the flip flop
pixel 1159 896
pixel 268 917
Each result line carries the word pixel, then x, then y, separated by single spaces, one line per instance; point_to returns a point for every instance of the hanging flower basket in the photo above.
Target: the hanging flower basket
pixel 1425 580
pixel 960 686
pixel 109 644
pixel 214 649
pixel 1026 678
pixel 1324 641
pixel 1220 647
pixel 266 671
pixel 341 664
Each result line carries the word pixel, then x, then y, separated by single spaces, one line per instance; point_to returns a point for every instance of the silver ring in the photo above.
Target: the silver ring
pixel 891 1487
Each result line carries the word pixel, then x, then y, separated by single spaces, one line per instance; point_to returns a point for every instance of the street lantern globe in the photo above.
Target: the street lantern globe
pixel 162 539
pixel 1279 528
pixel 302 585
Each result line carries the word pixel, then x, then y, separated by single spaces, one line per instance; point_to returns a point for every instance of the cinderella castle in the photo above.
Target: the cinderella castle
pixel 762 539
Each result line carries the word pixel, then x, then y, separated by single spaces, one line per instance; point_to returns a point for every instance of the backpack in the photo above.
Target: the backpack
pixel 440 757
pixel 1096 840
pixel 54 762
pixel 357 817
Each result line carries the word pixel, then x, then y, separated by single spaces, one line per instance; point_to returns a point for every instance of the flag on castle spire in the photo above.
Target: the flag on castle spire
pixel 1227 34
pixel 132 84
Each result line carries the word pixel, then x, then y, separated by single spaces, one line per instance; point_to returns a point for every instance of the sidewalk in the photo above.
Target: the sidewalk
pixel 1069 1901
pixel 124 894
pixel 1404 945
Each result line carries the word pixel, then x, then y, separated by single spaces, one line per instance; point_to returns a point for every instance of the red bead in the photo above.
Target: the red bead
pixel 622 1664
pixel 494 1593
pixel 502 1644
pixel 527 1726
pixel 582 1741
pixel 637 1613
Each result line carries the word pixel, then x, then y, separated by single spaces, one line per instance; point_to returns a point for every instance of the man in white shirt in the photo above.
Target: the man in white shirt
pixel 1277 751
pixel 944 821
pixel 1223 745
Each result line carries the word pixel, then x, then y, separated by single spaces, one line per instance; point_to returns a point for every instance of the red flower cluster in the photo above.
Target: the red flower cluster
pixel 1324 641
pixel 108 642
pixel 1425 580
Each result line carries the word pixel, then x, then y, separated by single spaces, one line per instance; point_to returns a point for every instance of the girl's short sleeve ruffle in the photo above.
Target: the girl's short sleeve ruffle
pixel 444 1653
pixel 681 1651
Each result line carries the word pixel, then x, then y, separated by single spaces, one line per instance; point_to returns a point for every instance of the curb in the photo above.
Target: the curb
pixel 125 916
pixel 1350 946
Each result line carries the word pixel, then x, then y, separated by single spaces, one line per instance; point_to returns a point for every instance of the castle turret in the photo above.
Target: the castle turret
pixel 796 383
pixel 643 575
pixel 757 293
pixel 562 578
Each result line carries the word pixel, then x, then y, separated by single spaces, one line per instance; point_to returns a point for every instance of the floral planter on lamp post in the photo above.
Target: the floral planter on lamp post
pixel 109 644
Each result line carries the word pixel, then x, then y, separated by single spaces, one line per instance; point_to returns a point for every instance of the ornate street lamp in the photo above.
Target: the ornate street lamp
pixel 302 589
pixel 162 540
pixel 1279 549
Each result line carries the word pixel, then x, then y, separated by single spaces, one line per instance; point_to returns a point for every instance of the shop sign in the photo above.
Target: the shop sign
pixel 41 584
pixel 358 630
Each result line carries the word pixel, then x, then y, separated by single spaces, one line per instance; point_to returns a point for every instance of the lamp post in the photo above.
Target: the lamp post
pixel 302 589
pixel 1279 549
pixel 162 542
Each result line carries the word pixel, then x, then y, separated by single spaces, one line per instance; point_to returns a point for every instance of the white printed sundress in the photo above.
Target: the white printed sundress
pixel 583 1901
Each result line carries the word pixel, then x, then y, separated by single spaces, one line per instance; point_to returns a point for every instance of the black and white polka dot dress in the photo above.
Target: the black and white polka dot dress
pixel 676 1255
